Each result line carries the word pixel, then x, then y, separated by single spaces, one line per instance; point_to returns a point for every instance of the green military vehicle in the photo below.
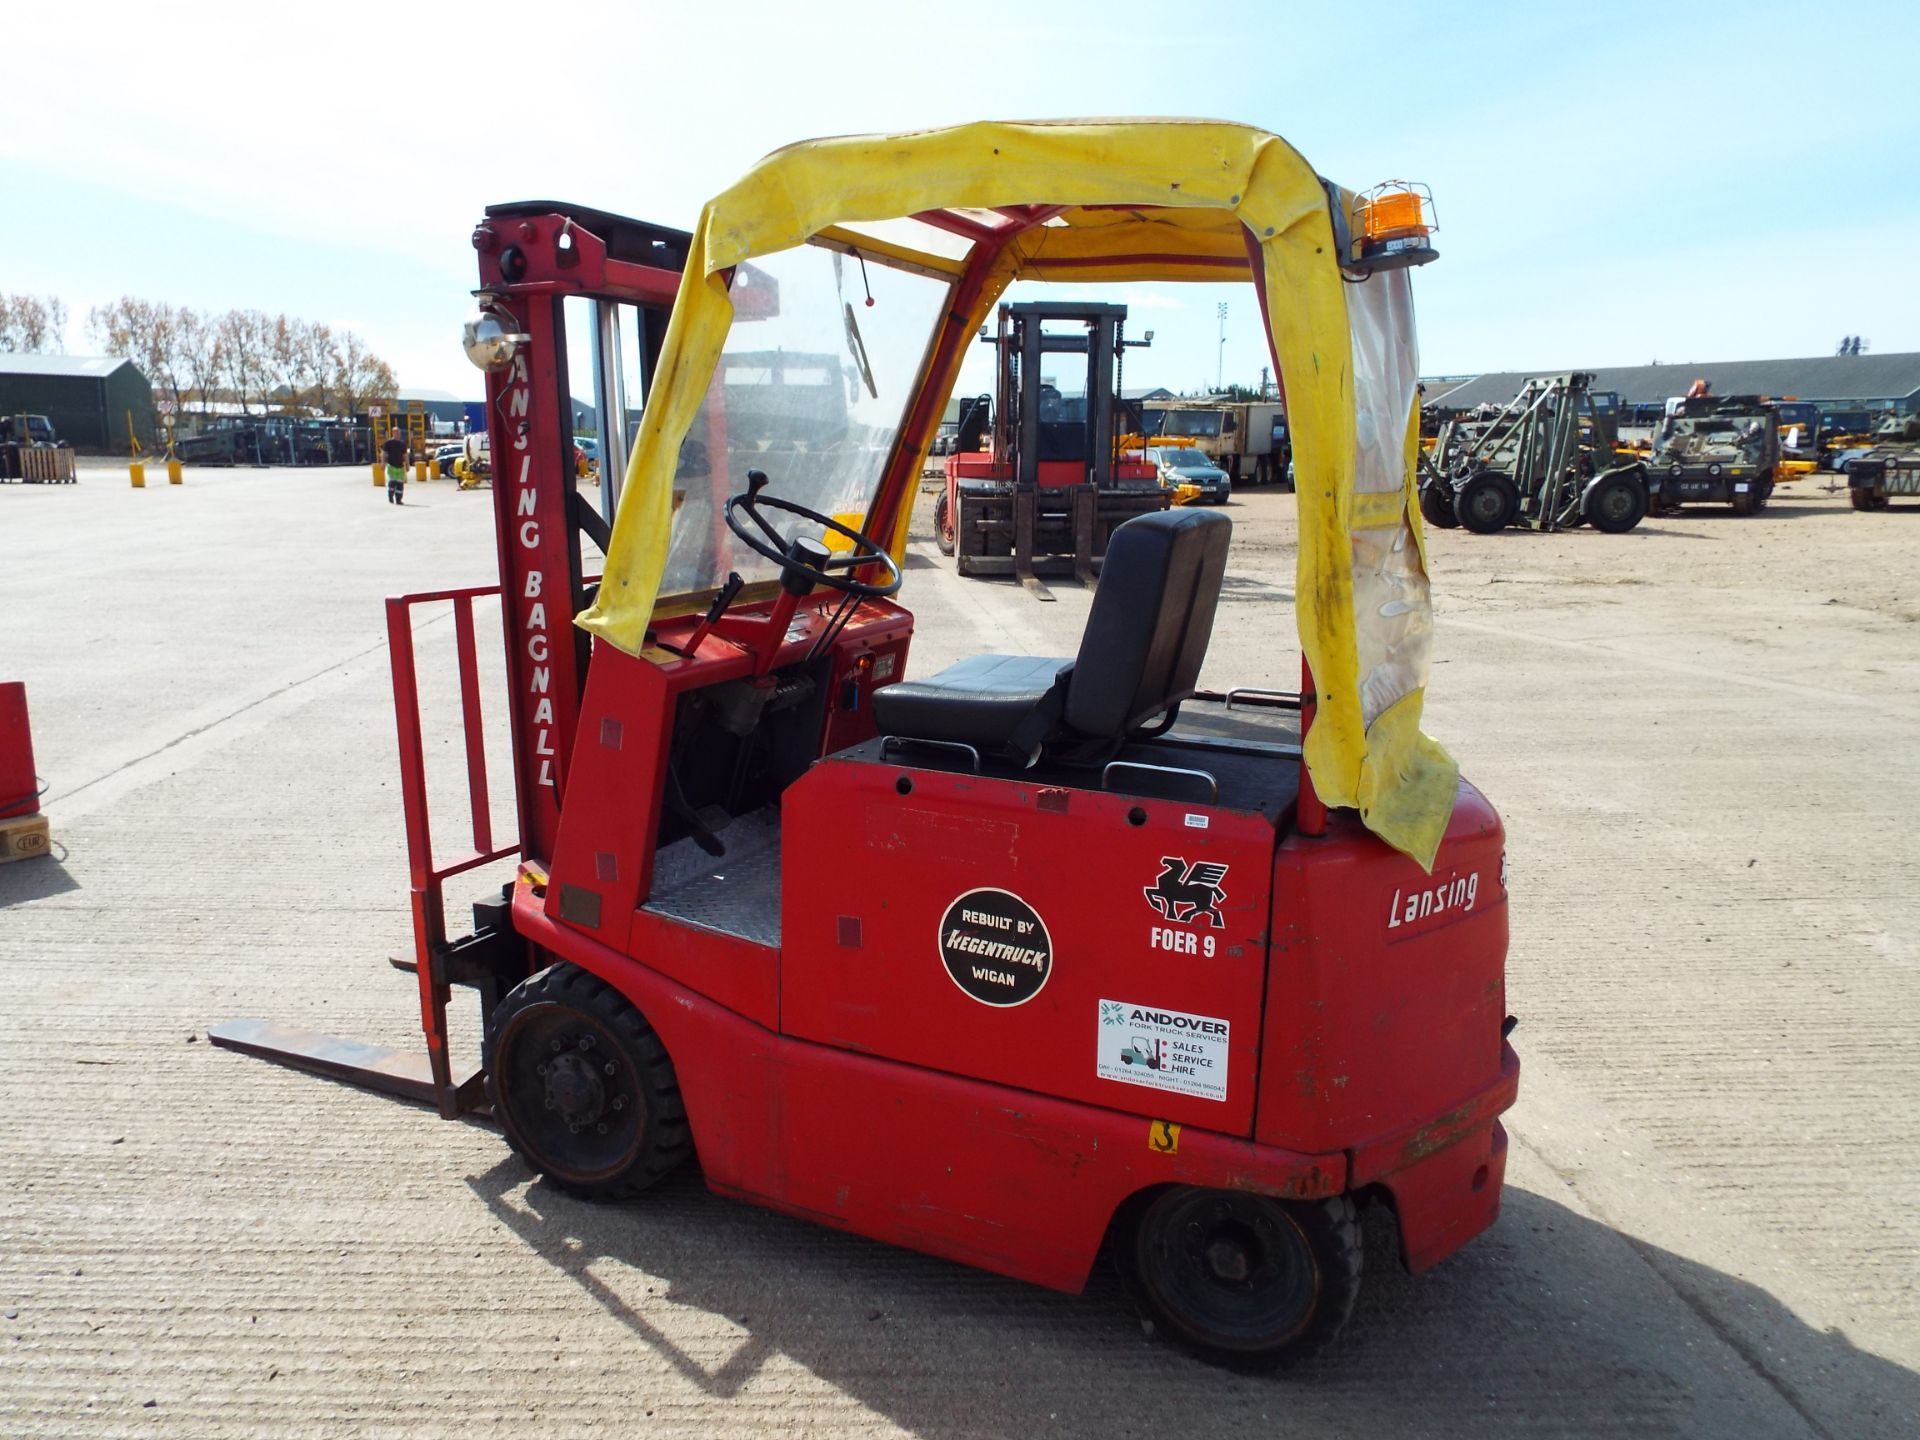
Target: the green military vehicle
pixel 1717 450
pixel 1549 460
pixel 1890 467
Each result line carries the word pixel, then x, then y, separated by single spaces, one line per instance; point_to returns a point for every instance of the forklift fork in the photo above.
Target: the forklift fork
pixel 1086 501
pixel 1025 504
pixel 492 959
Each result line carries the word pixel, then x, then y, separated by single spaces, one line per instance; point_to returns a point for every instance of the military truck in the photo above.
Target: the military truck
pixel 1890 467
pixel 1246 439
pixel 1717 450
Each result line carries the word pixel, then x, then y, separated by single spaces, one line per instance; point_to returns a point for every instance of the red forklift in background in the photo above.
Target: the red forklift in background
pixel 833 929
pixel 1052 485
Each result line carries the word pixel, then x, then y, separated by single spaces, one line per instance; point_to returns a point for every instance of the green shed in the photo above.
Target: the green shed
pixel 87 397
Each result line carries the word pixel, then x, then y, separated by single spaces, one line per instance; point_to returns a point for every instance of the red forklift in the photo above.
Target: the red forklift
pixel 1052 486
pixel 829 928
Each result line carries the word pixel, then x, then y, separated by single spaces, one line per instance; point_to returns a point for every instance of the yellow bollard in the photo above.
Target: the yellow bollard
pixel 419 470
pixel 174 476
pixel 378 478
pixel 138 473
pixel 433 468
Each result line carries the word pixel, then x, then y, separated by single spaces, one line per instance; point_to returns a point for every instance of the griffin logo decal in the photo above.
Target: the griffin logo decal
pixel 1189 892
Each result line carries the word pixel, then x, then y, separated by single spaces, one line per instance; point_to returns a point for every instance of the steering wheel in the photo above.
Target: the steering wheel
pixel 808 559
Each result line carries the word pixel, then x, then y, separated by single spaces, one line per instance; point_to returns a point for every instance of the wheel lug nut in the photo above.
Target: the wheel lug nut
pixel 541 1068
pixel 619 1102
pixel 549 1102
pixel 586 1042
pixel 572 1128
pixel 556 1047
pixel 609 1067
pixel 601 1127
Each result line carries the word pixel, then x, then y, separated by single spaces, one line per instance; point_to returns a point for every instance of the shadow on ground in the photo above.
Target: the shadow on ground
pixel 1549 1324
pixel 35 879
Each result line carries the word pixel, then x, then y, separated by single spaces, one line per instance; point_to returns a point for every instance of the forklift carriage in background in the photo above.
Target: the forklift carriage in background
pixel 830 927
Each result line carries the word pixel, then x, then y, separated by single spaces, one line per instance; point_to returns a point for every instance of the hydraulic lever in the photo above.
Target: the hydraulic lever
pixel 722 598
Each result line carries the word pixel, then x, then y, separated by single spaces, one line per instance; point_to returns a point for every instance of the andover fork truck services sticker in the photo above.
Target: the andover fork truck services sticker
pixel 1163 1049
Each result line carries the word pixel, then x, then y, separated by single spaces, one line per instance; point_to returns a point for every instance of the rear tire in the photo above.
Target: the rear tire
pixel 1616 505
pixel 1436 504
pixel 1487 503
pixel 583 1087
pixel 1746 504
pixel 1239 1279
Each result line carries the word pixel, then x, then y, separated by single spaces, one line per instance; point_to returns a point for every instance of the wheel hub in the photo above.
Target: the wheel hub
pixel 574 1089
pixel 1229 1260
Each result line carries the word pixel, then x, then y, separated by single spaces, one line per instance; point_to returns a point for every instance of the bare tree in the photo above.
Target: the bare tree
pixel 302 362
pixel 359 376
pixel 246 356
pixel 146 333
pixel 282 359
pixel 31 324
pixel 313 365
pixel 198 338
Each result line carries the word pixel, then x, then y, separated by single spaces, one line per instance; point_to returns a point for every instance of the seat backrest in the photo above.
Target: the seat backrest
pixel 1151 619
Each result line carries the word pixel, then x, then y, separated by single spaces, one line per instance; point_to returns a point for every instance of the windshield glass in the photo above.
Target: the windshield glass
pixel 812 387
pixel 1181 458
pixel 1161 421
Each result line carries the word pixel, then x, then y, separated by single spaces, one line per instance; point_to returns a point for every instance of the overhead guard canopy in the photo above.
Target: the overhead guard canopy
pixel 1118 201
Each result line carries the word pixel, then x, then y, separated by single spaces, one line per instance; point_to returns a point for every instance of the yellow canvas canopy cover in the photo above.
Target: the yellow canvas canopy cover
pixel 1120 201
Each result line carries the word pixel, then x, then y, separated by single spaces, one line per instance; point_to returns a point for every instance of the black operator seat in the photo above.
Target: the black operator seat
pixel 1139 655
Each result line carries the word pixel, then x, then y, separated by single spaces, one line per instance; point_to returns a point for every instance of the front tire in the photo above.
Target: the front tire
pixel 1616 505
pixel 943 524
pixel 1487 503
pixel 1243 1280
pixel 583 1087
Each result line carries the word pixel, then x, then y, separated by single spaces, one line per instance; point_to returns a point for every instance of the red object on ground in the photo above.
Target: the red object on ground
pixel 19 786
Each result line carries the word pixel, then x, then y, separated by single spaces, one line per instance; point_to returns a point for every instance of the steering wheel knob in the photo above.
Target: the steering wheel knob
pixel 806 558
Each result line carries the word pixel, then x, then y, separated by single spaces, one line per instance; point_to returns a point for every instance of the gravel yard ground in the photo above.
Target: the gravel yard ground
pixel 1700 736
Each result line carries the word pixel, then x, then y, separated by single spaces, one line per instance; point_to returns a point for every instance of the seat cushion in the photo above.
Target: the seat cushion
pixel 978 702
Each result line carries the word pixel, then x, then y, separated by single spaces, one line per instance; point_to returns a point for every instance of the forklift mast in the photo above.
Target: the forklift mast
pixel 1029 425
pixel 532 257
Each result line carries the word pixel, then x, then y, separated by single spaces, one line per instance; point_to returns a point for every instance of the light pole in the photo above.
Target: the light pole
pixel 1220 355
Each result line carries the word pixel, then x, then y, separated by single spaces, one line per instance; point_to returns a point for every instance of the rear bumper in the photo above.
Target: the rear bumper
pixel 1445 1176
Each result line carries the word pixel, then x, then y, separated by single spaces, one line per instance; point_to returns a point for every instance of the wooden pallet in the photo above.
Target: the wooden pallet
pixel 24 838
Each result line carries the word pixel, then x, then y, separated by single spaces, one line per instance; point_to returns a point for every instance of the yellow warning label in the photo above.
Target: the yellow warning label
pixel 1163 1137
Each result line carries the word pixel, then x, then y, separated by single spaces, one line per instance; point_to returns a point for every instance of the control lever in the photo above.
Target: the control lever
pixel 756 481
pixel 723 597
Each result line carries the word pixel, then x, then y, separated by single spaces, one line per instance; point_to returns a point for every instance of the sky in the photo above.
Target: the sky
pixel 1615 184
